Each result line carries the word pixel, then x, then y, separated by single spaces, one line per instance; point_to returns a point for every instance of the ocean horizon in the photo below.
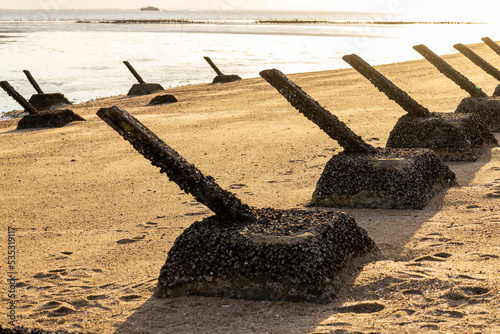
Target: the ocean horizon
pixel 80 53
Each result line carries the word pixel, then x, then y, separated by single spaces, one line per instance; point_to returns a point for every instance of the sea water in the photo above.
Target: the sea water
pixel 80 53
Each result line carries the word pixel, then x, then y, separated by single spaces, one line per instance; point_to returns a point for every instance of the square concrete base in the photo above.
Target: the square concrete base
pixel 48 119
pixel 487 108
pixel 48 101
pixel 288 255
pixel 226 78
pixel 452 136
pixel 144 89
pixel 389 179
pixel 162 99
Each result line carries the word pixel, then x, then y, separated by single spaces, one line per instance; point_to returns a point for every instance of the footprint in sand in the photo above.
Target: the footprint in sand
pixel 433 240
pixel 46 275
pixel 128 298
pixel 57 309
pixel 489 256
pixel 61 311
pixel 50 305
pixel 494 194
pixel 405 310
pixel 483 257
pixel 151 225
pixel 475 290
pixel 452 314
pixel 438 257
pixel 361 308
pixel 59 271
pixel 126 241
pixel 190 214
pixel 237 186
pixel 97 297
pixel 466 295
pixel 336 324
pixel 79 303
pixel 412 292
pixel 431 327
pixel 495 189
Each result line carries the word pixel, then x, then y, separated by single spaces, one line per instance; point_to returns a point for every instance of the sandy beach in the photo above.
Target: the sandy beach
pixel 95 220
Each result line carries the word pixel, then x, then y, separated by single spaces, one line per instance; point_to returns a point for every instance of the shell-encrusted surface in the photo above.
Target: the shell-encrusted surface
pixel 390 179
pixel 144 89
pixel 294 255
pixel 48 119
pixel 488 108
pixel 452 136
pixel 48 101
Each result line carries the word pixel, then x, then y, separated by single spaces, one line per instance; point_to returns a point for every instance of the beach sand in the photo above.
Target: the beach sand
pixel 76 193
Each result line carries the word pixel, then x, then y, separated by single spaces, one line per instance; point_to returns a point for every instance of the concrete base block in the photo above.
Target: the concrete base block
pixel 226 78
pixel 287 255
pixel 389 179
pixel 452 136
pixel 144 89
pixel 48 119
pixel 48 101
pixel 487 108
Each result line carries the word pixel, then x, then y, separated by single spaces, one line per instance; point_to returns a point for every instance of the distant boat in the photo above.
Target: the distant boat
pixel 150 9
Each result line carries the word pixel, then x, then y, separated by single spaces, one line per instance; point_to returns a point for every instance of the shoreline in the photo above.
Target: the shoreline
pixel 303 49
pixel 73 193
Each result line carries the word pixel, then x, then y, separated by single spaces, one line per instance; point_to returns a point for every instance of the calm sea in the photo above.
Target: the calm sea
pixel 80 53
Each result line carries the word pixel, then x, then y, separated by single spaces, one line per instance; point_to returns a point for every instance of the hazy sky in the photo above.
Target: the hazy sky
pixel 204 4
pixel 447 9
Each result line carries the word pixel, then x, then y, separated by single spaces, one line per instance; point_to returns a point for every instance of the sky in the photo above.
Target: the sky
pixel 201 4
pixel 458 10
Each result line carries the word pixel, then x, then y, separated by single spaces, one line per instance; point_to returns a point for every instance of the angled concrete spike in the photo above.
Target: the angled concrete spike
pixel 329 123
pixel 185 175
pixel 452 136
pixel 449 71
pixel 361 175
pixel 45 101
pixel 394 93
pixel 219 256
pixel 141 88
pixel 18 98
pixel 493 45
pixel 215 68
pixel 133 71
pixel 33 82
pixel 221 78
pixel 478 60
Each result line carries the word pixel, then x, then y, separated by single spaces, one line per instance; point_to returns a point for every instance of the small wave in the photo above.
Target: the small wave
pixel 171 21
pixel 273 21
pixel 298 21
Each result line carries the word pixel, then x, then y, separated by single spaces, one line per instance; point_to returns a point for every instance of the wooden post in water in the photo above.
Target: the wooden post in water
pixel 327 122
pixel 134 72
pixel 185 175
pixel 449 71
pixel 394 93
pixel 479 61
pixel 494 46
pixel 33 82
pixel 18 97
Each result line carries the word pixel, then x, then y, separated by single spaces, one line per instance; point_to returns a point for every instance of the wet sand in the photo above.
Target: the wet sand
pixel 95 220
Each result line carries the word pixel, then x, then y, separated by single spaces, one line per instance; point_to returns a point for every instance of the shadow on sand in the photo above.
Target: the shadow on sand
pixel 223 315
